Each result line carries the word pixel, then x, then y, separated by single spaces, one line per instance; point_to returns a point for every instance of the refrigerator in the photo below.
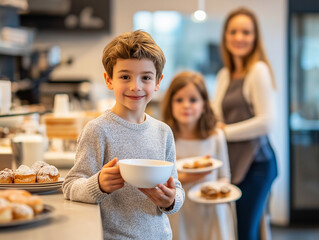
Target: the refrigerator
pixel 303 82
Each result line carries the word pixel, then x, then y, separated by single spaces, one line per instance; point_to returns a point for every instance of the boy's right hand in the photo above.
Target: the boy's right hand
pixel 110 178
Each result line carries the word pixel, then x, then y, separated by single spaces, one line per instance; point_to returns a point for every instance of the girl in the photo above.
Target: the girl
pixel 187 111
pixel 244 102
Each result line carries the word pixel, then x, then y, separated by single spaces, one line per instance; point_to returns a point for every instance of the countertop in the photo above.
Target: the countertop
pixel 71 220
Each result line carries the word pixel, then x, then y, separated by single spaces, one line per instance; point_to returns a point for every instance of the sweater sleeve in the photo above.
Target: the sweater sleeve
pixel 180 194
pixel 222 154
pixel 81 183
pixel 221 86
pixel 261 94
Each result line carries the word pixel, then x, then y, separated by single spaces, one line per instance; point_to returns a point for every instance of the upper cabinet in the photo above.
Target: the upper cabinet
pixel 70 15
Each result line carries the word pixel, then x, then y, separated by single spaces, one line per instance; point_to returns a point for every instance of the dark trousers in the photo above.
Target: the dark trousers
pixel 255 188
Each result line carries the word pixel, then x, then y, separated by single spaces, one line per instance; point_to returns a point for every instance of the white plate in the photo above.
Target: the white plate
pixel 47 213
pixel 181 162
pixel 194 193
pixel 34 187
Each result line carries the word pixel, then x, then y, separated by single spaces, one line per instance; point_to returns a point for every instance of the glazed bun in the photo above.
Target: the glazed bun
pixel 24 174
pixel 5 211
pixel 36 203
pixel 13 192
pixel 21 211
pixel 209 192
pixel 224 191
pixel 6 176
pixel 48 174
pixel 19 204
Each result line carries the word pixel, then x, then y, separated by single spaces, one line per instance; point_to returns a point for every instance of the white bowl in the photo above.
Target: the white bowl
pixel 145 173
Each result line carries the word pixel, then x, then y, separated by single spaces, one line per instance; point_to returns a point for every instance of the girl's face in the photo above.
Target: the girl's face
pixel 187 105
pixel 240 36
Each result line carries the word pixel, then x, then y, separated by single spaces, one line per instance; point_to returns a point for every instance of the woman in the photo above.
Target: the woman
pixel 244 103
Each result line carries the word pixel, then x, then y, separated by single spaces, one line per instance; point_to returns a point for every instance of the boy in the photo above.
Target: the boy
pixel 133 70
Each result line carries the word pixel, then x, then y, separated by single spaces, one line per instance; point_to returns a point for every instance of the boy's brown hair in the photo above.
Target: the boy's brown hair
pixel 133 45
pixel 207 122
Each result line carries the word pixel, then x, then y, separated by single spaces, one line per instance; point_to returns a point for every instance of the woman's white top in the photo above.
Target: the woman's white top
pixel 259 92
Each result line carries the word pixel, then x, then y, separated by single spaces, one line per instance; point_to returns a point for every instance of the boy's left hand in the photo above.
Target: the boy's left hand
pixel 164 195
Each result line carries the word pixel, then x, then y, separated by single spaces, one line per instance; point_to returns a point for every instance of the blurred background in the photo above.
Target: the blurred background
pixel 51 50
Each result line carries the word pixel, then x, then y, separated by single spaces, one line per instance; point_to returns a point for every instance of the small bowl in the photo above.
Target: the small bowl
pixel 145 173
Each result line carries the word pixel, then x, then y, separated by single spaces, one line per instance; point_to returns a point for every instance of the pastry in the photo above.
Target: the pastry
pixel 48 174
pixel 12 192
pixel 188 165
pixel 199 163
pixel 24 174
pixel 5 211
pixel 19 204
pixel 224 191
pixel 36 203
pixel 6 176
pixel 203 162
pixel 21 211
pixel 209 192
pixel 38 165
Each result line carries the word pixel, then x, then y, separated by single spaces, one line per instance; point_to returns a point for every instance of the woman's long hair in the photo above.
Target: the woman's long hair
pixel 258 52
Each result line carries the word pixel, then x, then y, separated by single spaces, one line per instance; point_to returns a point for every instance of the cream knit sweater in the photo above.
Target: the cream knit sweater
pixel 126 213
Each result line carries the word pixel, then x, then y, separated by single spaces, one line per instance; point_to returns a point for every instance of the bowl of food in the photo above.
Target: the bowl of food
pixel 145 173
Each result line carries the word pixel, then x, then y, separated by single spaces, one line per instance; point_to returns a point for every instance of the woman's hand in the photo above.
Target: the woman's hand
pixel 162 196
pixel 191 177
pixel 221 125
pixel 110 178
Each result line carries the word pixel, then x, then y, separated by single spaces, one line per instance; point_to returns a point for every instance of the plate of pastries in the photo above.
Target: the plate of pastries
pixel 214 193
pixel 198 164
pixel 19 207
pixel 40 177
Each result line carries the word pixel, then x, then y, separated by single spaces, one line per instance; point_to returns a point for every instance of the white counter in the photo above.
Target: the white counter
pixel 71 220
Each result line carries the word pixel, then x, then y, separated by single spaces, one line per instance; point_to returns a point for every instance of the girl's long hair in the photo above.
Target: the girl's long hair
pixel 207 122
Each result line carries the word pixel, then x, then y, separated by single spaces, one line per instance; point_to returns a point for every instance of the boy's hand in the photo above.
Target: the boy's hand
pixel 164 196
pixel 110 178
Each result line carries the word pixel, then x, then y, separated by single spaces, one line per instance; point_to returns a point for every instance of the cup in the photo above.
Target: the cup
pixel 27 149
pixel 5 96
pixel 61 104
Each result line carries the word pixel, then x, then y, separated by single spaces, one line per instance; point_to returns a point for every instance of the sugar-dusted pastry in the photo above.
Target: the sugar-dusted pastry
pixel 5 211
pixel 6 176
pixel 38 165
pixel 48 174
pixel 36 203
pixel 21 211
pixel 12 192
pixel 24 174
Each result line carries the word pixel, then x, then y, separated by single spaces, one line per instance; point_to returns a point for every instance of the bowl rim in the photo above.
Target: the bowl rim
pixel 125 162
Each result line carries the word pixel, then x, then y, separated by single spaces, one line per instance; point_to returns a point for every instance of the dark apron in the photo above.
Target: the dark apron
pixel 242 153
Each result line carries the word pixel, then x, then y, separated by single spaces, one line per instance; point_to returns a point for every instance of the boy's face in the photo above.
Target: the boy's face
pixel 133 83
